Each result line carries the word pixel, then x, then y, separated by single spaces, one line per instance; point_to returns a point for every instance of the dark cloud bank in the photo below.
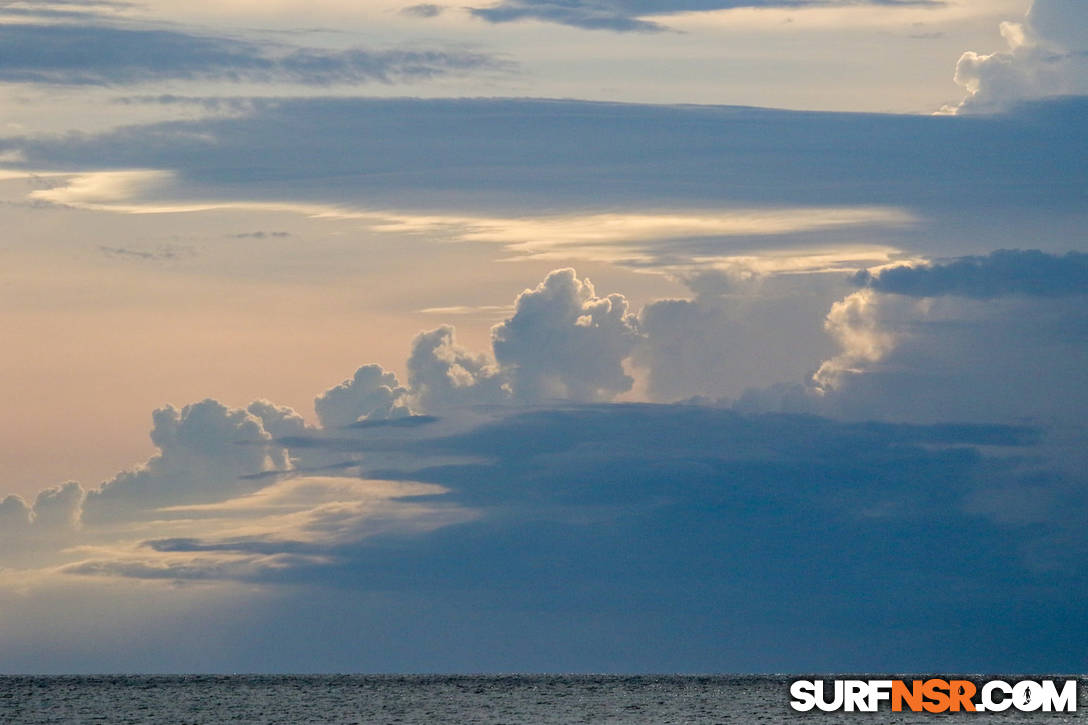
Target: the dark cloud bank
pixel 699 539
pixel 525 154
pixel 1004 272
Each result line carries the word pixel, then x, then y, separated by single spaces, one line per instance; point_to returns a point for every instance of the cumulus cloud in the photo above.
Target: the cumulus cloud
pixel 55 509
pixel 630 15
pixel 1003 272
pixel 59 507
pixel 15 514
pixel 994 337
pixel 443 374
pixel 103 55
pixel 857 324
pixel 204 451
pixel 564 341
pixel 280 421
pixel 371 394
pixel 1047 55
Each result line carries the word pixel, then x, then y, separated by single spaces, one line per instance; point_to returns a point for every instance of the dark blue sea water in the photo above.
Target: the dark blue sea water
pixel 513 699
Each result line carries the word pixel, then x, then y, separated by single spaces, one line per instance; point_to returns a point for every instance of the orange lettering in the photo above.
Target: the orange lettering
pixel 936 692
pixel 961 692
pixel 912 695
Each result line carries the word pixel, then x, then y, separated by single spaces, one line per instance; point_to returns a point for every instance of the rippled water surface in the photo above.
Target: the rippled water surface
pixel 434 699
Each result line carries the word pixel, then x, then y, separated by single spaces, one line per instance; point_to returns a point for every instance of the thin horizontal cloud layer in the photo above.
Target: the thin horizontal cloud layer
pixel 631 15
pixel 62 10
pixel 667 189
pixel 524 154
pixel 103 55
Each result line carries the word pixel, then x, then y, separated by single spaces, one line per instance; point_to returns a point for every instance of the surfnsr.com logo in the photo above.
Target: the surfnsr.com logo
pixel 933 695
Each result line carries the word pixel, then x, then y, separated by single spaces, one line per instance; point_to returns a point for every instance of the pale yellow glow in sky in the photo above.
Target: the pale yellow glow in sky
pixel 599 237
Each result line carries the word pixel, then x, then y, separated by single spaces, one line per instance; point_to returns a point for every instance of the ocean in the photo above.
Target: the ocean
pixel 435 699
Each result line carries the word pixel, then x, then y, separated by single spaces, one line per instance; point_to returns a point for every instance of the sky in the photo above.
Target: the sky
pixel 535 336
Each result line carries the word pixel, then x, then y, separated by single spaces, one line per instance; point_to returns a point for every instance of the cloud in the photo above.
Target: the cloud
pixel 82 10
pixel 739 330
pixel 15 514
pixel 260 235
pixel 669 185
pixel 994 337
pixel 442 374
pixel 204 450
pixel 561 342
pixel 1010 358
pixel 279 421
pixel 56 508
pixel 59 507
pixel 723 238
pixel 591 512
pixel 371 394
pixel 559 517
pixel 565 342
pixel 1000 273
pixel 163 253
pixel 1047 56
pixel 629 15
pixel 857 324
pixel 423 10
pixel 102 55
pixel 294 524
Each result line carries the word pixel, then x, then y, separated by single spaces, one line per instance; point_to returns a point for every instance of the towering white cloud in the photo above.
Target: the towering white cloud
pixel 566 342
pixel 444 374
pixel 562 342
pixel 857 323
pixel 204 451
pixel 1047 56
pixel 371 394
